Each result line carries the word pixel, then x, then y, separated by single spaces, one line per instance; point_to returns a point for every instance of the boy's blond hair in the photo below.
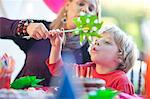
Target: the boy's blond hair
pixel 126 46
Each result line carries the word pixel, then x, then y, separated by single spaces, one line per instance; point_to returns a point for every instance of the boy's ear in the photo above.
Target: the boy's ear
pixel 119 58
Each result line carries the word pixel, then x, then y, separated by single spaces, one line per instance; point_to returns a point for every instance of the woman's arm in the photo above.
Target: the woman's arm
pixel 37 30
pixel 8 27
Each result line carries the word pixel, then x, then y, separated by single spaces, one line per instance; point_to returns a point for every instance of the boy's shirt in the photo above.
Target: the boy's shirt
pixel 116 80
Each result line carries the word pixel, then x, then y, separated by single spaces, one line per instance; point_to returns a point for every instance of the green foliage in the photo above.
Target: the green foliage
pixel 26 81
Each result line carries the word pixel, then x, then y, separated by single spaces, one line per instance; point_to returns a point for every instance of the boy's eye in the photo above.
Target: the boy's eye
pixel 81 4
pixel 106 42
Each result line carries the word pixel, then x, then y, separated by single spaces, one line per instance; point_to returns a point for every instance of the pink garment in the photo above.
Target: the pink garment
pixel 127 96
pixel 55 5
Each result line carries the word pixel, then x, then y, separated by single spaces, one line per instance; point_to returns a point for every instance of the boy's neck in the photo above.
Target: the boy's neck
pixel 104 69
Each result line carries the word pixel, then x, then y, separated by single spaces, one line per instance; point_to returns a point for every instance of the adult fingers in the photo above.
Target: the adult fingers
pixel 41 33
pixel 37 36
pixel 44 32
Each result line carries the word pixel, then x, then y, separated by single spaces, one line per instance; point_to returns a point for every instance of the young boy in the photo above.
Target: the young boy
pixel 112 56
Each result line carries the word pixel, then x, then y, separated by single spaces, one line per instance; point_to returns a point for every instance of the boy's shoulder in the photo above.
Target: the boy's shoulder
pixel 122 77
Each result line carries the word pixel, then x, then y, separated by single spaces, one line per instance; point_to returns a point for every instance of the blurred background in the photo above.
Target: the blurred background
pixel 133 16
pixel 23 9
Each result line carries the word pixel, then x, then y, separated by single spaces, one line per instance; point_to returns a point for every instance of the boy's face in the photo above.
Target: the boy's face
pixel 104 51
pixel 75 7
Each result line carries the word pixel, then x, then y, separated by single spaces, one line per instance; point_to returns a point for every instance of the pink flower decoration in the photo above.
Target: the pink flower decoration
pixel 55 5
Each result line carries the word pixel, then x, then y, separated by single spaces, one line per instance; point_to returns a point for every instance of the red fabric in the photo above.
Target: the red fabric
pixel 5 82
pixel 55 69
pixel 116 80
pixel 147 78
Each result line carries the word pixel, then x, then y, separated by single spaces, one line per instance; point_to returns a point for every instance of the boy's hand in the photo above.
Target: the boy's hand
pixel 56 37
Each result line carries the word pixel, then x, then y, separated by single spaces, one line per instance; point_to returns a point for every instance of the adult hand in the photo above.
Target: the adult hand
pixel 37 31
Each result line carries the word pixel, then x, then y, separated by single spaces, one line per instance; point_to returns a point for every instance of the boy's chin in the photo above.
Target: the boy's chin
pixel 97 60
pixel 94 60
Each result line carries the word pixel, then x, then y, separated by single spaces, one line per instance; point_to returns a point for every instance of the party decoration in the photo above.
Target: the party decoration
pixel 67 90
pixel 55 5
pixel 3 62
pixel 103 94
pixel 26 81
pixel 86 26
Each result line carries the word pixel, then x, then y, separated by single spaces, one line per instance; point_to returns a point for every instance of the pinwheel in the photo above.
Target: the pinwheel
pixel 87 26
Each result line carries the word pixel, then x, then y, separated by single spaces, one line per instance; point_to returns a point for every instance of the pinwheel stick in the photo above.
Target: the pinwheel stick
pixel 78 29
